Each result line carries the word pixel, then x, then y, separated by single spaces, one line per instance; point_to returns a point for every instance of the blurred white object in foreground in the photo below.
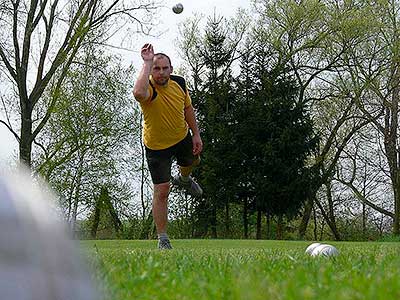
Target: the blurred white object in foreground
pixel 325 250
pixel 37 259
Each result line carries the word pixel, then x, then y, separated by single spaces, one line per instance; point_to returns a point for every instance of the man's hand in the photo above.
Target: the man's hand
pixel 140 90
pixel 147 52
pixel 197 144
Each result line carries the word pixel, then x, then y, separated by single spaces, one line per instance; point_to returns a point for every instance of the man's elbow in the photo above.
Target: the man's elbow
pixel 139 94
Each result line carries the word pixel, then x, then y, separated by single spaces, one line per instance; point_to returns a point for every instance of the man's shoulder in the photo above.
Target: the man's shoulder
pixel 180 81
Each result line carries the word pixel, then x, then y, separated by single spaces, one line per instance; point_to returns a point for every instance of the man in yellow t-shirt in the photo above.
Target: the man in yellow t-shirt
pixel 168 115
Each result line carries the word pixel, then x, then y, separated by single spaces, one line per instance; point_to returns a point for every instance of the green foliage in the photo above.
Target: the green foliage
pixel 256 131
pixel 213 98
pixel 228 269
pixel 89 134
pixel 104 216
pixel 390 238
pixel 276 138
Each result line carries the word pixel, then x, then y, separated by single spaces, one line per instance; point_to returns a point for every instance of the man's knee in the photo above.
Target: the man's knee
pixel 161 191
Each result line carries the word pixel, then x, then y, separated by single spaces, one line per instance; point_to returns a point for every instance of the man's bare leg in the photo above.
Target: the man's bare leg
pixel 160 213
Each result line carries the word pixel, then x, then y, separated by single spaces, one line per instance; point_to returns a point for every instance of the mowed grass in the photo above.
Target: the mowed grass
pixel 243 269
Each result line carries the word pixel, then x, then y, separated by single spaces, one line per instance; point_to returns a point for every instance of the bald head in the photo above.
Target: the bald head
pixel 162 55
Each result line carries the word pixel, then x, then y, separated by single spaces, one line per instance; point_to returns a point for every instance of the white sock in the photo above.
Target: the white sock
pixel 162 236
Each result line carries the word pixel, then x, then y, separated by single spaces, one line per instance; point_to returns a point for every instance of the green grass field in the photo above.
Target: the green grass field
pixel 244 269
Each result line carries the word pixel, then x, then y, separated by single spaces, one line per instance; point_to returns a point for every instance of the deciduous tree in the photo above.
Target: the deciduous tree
pixel 40 41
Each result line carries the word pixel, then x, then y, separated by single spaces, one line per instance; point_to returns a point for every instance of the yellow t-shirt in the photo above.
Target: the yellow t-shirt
pixel 164 123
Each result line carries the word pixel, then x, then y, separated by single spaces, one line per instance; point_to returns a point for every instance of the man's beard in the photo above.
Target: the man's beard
pixel 162 81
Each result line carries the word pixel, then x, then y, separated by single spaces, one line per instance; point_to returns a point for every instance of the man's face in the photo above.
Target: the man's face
pixel 161 70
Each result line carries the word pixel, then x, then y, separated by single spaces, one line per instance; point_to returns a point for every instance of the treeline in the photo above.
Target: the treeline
pixel 257 134
pixel 298 107
pixel 299 112
pixel 297 103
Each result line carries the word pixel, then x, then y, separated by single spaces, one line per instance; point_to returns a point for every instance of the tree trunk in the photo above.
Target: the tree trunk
pixel 331 225
pixel 390 138
pixel 75 211
pixel 258 233
pixel 25 143
pixel 245 219
pixel 76 196
pixel 214 222
pixel 279 228
pixel 70 194
pixel 227 227
pixel 394 135
pixel 268 222
pixel 391 154
pixel 315 231
pixel 192 226
pixel 331 213
pixel 321 234
pixel 364 219
pixel 96 218
pixel 364 211
pixel 396 220
pixel 146 228
pixel 306 217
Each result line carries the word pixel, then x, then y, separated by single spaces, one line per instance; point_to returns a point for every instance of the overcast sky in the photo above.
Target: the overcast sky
pixel 165 43
pixel 171 21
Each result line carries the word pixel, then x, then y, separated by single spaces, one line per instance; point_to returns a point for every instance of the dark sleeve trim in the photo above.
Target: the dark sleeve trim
pixel 180 81
pixel 154 91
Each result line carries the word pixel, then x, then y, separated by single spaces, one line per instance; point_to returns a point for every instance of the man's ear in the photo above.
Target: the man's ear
pixel 172 69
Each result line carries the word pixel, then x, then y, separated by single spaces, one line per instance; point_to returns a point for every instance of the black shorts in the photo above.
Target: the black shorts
pixel 160 161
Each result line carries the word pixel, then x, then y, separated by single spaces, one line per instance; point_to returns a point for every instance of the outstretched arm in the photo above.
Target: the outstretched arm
pixel 141 88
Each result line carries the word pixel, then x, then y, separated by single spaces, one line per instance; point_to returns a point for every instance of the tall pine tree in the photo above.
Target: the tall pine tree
pixel 276 139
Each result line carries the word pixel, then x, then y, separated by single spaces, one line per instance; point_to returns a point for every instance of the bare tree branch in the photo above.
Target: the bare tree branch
pixel 7 63
pixel 11 130
pixel 363 199
pixel 49 26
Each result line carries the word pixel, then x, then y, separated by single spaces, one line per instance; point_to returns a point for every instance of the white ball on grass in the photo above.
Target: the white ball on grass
pixel 37 259
pixel 177 8
pixel 325 250
pixel 310 248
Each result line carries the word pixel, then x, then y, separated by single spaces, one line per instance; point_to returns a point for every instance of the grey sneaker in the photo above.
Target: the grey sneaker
pixel 164 244
pixel 191 187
